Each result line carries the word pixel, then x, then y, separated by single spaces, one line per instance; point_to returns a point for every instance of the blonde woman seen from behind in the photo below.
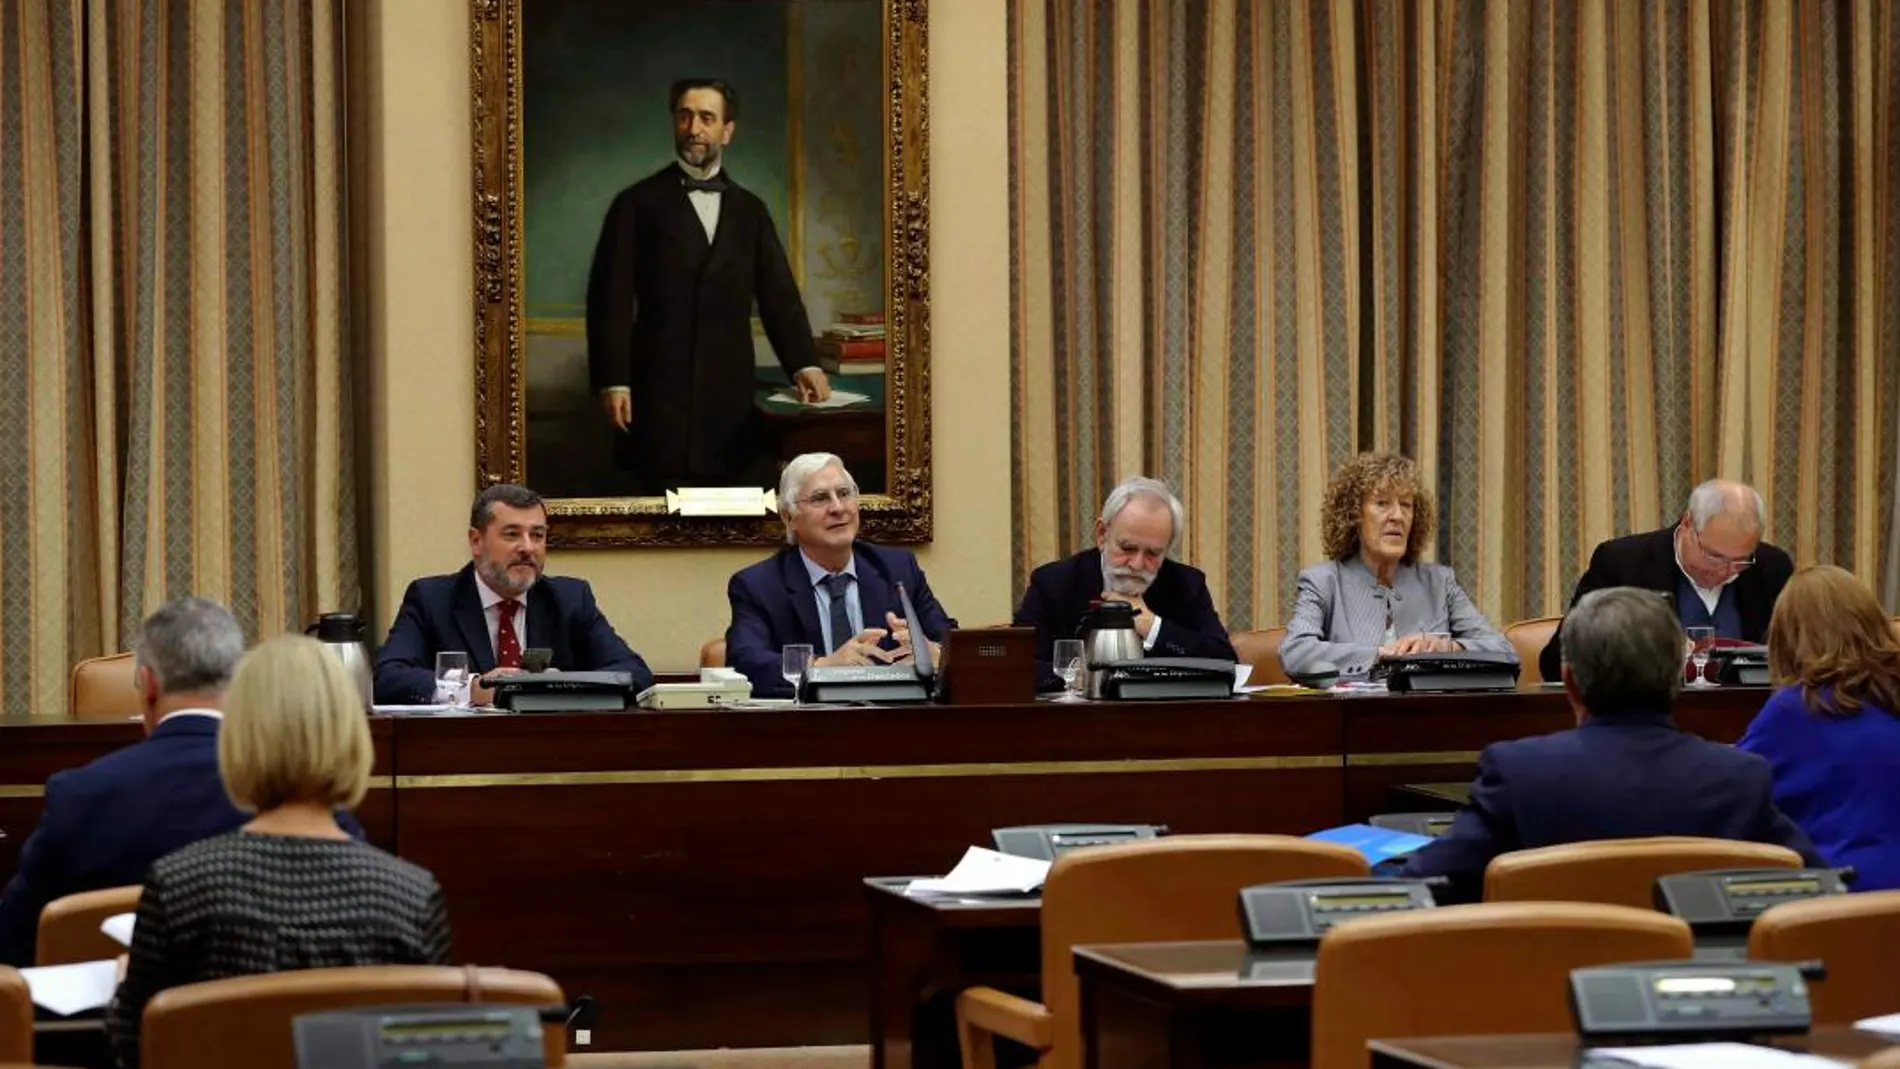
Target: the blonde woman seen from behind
pixel 290 889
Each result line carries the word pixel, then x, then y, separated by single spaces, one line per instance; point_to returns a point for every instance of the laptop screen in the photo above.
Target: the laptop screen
pixel 919 642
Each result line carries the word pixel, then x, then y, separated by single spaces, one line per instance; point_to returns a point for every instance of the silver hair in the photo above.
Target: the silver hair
pixel 1138 487
pixel 190 644
pixel 791 483
pixel 1625 648
pixel 1719 497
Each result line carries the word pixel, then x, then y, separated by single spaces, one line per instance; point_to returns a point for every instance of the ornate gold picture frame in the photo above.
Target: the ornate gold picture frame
pixel 898 510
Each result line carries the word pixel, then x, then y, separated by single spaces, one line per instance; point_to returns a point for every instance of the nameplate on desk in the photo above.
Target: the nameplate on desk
pixel 721 501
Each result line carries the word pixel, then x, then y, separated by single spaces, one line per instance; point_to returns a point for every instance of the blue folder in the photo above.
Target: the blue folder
pixel 1378 844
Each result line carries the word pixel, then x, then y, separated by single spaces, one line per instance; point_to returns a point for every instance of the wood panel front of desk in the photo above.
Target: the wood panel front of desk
pixel 698 873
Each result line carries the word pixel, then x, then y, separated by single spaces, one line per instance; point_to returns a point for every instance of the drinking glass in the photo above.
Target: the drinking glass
pixel 793 661
pixel 1701 639
pixel 451 677
pixel 1068 665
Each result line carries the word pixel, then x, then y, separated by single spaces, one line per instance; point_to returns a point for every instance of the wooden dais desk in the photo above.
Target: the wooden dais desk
pixel 1207 1005
pixel 701 873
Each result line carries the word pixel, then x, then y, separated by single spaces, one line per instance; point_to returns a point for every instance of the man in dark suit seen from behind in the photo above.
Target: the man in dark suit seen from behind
pixel 104 824
pixel 1713 562
pixel 683 256
pixel 1138 530
pixel 498 605
pixel 825 588
pixel 1625 771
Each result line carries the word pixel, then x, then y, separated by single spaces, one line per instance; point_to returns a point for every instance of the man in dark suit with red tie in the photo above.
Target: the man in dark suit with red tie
pixel 499 604
pixel 683 256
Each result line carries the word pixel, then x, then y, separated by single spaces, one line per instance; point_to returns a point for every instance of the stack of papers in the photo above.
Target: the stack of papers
pixel 1887 1025
pixel 119 927
pixel 986 872
pixel 70 989
pixel 1714 1056
pixel 1378 844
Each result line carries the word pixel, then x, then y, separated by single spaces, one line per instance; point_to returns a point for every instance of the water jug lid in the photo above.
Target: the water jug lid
pixel 338 627
pixel 1108 615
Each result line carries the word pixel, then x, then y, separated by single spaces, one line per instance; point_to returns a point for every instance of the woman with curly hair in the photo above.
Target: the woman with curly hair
pixel 1831 732
pixel 1373 597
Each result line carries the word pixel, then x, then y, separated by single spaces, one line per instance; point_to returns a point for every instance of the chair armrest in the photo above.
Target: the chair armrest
pixel 1002 1014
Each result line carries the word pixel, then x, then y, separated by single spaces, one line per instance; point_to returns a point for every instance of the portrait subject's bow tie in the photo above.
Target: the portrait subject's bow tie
pixel 715 184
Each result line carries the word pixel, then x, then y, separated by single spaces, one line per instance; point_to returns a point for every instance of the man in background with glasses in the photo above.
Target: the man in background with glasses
pixel 1713 563
pixel 825 589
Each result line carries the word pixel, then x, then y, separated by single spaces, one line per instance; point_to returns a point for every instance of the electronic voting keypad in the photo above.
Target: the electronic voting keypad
pixel 1296 913
pixel 1679 1002
pixel 1727 901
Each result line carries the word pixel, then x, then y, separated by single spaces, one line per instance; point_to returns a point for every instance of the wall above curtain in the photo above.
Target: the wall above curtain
pixel 1574 258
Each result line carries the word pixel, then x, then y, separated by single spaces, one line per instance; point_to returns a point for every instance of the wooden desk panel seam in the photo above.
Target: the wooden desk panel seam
pixel 868 772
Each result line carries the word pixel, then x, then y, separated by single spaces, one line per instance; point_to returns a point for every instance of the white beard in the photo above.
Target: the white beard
pixel 1130 583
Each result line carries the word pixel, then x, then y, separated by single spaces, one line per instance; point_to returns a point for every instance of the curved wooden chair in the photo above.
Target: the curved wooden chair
pixel 1261 648
pixel 16 1017
pixel 1177 888
pixel 69 925
pixel 244 1022
pixel 101 689
pixel 1528 638
pixel 1619 872
pixel 1385 976
pixel 712 654
pixel 1853 935
pixel 1886 1059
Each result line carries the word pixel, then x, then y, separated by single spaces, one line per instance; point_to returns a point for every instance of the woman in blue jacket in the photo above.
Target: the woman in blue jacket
pixel 1831 730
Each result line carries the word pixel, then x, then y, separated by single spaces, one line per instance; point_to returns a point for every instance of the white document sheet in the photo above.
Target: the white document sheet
pixel 1885 1025
pixel 838 399
pixel 1715 1056
pixel 986 872
pixel 70 989
pixel 119 927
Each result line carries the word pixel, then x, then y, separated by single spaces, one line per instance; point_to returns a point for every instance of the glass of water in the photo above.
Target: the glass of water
pixel 1068 664
pixel 451 678
pixel 1701 639
pixel 793 661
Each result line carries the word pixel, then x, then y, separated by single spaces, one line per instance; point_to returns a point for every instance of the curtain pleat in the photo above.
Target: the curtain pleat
pixel 1574 258
pixel 175 397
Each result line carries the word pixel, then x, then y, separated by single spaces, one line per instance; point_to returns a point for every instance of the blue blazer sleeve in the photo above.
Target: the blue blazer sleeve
pixel 405 666
pixel 937 623
pixel 598 644
pixel 749 645
pixel 1482 830
pixel 39 879
pixel 1771 825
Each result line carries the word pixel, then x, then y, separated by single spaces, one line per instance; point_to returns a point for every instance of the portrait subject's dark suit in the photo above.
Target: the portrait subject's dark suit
pixel 773 607
pixel 444 612
pixel 669 315
pixel 1648 561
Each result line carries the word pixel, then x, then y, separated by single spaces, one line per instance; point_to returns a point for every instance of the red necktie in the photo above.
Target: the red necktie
pixel 507 643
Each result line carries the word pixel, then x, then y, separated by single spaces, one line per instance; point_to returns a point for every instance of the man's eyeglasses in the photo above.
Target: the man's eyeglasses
pixel 821 498
pixel 1733 564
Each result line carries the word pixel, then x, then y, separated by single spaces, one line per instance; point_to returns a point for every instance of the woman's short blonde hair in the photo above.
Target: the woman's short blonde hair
pixel 295 729
pixel 1830 636
pixel 1358 479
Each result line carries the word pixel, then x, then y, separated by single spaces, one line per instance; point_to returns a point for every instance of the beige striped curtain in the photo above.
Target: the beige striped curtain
pixel 1573 255
pixel 175 402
